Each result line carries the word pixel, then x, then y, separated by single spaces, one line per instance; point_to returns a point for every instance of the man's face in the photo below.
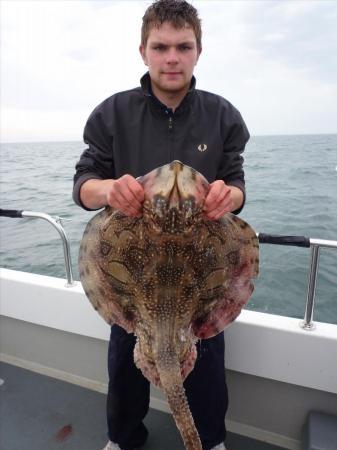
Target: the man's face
pixel 170 55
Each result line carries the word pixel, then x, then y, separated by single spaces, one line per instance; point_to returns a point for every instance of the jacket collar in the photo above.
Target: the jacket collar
pixel 157 106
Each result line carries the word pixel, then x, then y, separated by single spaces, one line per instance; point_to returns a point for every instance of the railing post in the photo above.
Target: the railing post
pixel 307 323
pixel 66 247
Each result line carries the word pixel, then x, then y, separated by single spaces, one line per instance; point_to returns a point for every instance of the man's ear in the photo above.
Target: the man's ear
pixel 143 53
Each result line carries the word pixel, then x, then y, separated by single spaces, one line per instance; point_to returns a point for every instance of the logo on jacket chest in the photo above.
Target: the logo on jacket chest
pixel 202 147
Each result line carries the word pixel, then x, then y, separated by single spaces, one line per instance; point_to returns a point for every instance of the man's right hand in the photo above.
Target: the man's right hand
pixel 124 194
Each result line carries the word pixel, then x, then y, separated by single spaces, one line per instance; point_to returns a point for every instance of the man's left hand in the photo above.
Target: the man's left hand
pixel 221 199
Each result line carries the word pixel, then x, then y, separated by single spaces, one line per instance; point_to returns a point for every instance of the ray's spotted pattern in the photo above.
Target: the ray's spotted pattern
pixel 171 277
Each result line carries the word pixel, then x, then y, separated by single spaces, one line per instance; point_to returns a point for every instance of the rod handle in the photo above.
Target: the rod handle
pixel 297 241
pixel 10 213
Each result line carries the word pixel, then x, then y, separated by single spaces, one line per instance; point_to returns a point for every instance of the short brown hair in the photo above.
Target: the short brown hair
pixel 177 12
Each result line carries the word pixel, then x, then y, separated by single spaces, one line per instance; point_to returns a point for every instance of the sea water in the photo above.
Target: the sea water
pixel 291 190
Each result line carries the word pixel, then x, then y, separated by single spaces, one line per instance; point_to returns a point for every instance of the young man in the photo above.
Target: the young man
pixel 130 134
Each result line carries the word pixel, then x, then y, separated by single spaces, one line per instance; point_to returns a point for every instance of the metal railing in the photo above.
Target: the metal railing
pixel 315 245
pixel 297 241
pixel 56 224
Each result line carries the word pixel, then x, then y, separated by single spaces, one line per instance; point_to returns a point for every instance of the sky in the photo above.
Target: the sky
pixel 276 61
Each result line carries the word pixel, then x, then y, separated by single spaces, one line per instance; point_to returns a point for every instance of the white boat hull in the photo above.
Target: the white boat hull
pixel 276 371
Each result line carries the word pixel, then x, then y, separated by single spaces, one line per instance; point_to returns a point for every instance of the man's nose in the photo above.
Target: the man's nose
pixel 172 56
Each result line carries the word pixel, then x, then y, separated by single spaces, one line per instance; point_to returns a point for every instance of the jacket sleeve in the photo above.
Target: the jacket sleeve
pixel 231 166
pixel 96 162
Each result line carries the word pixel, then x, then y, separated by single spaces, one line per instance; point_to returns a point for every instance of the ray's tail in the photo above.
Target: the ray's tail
pixel 172 384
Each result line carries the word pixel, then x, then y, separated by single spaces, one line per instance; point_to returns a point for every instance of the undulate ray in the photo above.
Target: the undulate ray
pixel 170 277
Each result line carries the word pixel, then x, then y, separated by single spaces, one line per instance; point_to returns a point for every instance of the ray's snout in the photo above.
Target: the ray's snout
pixel 175 184
pixel 182 190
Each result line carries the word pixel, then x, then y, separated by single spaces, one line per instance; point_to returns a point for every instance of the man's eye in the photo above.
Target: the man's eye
pixel 159 48
pixel 184 48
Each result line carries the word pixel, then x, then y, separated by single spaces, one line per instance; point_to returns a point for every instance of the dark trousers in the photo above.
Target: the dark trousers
pixel 129 392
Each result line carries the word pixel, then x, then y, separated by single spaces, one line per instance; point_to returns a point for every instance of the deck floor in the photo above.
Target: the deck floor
pixel 42 413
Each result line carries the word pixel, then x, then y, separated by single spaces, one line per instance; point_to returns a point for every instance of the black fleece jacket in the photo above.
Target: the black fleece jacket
pixel 133 132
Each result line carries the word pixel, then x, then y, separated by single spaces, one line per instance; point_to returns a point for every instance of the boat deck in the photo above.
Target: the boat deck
pixel 42 413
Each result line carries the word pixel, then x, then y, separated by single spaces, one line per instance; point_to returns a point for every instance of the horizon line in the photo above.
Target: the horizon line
pixel 80 141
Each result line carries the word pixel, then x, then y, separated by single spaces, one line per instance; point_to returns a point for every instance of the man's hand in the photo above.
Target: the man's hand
pixel 126 195
pixel 221 199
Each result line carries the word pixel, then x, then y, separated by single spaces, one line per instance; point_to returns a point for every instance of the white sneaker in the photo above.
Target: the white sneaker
pixel 219 447
pixel 112 446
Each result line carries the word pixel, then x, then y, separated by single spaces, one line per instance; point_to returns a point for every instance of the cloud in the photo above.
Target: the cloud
pixel 100 4
pixel 268 62
pixel 61 55
pixel 300 34
pixel 275 60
